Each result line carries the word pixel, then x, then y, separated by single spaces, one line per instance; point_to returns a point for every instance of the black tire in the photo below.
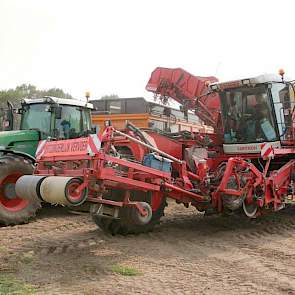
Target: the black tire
pixel 125 225
pixel 14 210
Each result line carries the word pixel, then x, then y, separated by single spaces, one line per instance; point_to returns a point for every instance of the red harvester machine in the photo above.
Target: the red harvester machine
pixel 247 165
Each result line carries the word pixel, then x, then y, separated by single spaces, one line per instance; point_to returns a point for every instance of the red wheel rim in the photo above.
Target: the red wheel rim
pixel 72 195
pixel 15 204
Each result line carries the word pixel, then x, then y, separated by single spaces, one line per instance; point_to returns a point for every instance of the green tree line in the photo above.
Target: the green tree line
pixel 15 95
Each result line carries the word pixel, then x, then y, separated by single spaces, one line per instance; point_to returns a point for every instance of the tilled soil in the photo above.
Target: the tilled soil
pixel 63 253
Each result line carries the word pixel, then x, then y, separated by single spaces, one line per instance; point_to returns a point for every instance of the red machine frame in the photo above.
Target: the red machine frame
pixel 207 187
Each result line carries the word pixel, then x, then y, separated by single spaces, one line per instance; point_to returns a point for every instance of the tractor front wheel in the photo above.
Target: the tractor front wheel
pixel 14 209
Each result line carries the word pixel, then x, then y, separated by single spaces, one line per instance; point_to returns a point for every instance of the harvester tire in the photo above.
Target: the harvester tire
pixel 13 209
pixel 125 224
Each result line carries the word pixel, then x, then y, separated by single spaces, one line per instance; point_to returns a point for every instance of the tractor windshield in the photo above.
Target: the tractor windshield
pixel 74 121
pixel 37 116
pixel 247 115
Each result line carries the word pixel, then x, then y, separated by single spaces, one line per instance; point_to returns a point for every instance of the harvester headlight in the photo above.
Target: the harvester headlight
pixel 214 87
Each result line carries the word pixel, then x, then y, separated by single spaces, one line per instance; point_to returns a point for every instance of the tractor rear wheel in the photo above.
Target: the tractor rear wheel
pixel 14 209
pixel 126 224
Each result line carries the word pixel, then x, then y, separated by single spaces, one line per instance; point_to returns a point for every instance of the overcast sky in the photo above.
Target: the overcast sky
pixel 111 47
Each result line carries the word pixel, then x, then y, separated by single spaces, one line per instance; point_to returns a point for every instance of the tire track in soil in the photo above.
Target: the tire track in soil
pixel 228 252
pixel 48 230
pixel 214 254
pixel 243 267
pixel 66 233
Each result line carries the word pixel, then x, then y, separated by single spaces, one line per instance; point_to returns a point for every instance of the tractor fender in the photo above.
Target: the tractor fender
pixel 21 154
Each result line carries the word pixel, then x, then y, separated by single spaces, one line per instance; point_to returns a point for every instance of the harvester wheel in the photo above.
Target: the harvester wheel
pixel 14 209
pixel 250 209
pixel 128 222
pixel 137 218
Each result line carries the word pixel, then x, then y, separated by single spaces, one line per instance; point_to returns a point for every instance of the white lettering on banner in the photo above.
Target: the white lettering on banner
pixel 248 148
pixel 89 145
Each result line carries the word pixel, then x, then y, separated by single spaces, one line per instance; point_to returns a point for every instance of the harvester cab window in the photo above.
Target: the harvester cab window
pixel 284 104
pixel 247 115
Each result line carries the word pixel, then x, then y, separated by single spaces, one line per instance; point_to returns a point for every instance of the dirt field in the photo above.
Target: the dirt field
pixel 62 253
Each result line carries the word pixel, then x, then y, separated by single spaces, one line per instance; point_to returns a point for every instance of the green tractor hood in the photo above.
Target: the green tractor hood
pixel 20 141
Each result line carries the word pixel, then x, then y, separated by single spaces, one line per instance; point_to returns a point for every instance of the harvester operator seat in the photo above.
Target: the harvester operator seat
pixel 259 126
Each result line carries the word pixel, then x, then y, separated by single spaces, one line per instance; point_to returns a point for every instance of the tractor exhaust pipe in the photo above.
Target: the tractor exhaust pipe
pixel 52 189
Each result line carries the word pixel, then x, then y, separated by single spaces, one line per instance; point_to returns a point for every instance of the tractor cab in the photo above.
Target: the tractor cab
pixel 56 117
pixel 255 111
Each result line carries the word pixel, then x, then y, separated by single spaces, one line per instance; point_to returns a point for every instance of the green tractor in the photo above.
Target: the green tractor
pixel 47 117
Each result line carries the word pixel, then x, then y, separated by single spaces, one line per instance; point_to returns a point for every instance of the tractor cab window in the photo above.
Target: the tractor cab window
pixel 36 116
pixel 247 115
pixel 70 124
pixel 86 118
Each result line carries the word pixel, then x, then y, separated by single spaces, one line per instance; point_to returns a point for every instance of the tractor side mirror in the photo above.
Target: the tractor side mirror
pixel 8 117
pixel 57 112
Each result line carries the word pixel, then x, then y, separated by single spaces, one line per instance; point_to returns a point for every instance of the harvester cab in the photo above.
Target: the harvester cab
pixel 255 111
pixel 41 118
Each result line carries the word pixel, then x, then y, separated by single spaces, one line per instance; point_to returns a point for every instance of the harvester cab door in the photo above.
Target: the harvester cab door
pixel 284 105
pixel 248 118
